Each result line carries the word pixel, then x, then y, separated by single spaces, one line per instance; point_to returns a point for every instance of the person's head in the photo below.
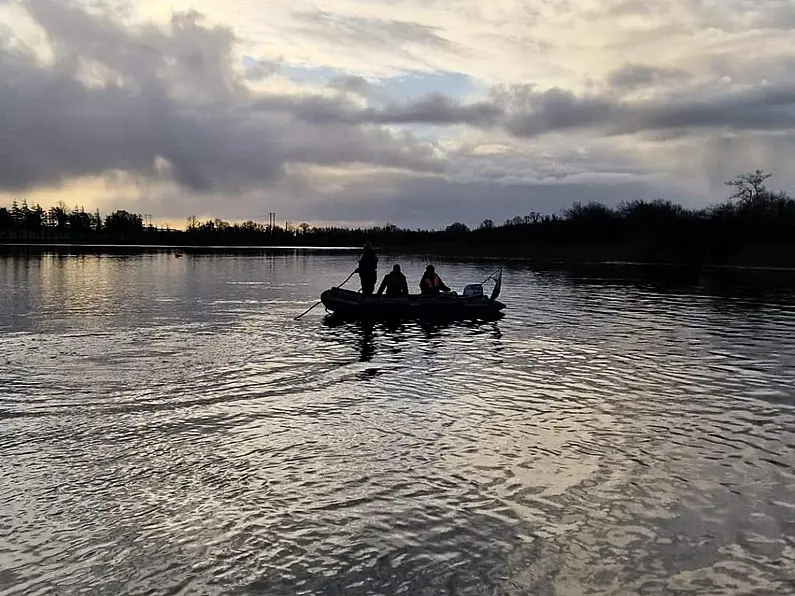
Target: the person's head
pixel 396 268
pixel 430 269
pixel 367 246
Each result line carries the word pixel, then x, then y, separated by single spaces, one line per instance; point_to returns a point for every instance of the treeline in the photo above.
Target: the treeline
pixel 657 230
pixel 59 223
pixel 754 226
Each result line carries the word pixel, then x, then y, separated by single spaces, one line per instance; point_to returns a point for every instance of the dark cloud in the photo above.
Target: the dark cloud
pixel 350 84
pixel 433 109
pixel 186 58
pixel 313 109
pixel 529 113
pixel 765 108
pixel 524 111
pixel 634 76
pixel 117 98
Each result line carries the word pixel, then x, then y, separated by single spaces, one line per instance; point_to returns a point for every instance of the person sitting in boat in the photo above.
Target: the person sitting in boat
pixel 431 283
pixel 394 283
pixel 367 269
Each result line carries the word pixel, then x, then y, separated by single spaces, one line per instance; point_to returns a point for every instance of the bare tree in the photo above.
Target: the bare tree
pixel 750 187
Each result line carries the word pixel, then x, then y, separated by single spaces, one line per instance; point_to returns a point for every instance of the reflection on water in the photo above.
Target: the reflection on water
pixel 365 334
pixel 167 427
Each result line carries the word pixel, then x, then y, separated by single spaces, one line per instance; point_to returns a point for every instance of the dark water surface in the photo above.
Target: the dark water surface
pixel 166 427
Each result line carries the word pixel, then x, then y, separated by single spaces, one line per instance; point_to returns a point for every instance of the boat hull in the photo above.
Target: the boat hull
pixel 349 304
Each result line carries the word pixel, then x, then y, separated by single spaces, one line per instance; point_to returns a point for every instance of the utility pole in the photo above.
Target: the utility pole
pixel 148 218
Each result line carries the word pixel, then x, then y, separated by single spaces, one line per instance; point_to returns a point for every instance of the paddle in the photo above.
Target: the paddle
pixel 318 302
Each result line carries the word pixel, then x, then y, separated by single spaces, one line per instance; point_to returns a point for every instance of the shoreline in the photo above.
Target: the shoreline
pixel 175 246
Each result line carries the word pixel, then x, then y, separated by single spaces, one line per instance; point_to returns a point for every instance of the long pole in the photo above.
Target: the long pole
pixel 491 276
pixel 306 311
pixel 318 302
pixel 346 279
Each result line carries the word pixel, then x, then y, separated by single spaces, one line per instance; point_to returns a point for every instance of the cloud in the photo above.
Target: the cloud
pixel 126 98
pixel 219 110
pixel 525 111
pixel 350 84
pixel 434 109
pixel 475 185
pixel 633 76
pixel 768 108
pixel 260 69
pixel 386 33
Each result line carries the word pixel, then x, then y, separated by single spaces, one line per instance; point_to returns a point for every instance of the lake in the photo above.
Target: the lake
pixel 167 427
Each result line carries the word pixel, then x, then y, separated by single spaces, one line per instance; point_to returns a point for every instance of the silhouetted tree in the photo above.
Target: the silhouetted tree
pixel 79 222
pixel 749 187
pixel 33 219
pixel 532 218
pixel 59 217
pixel 457 228
pixel 6 220
pixel 16 214
pixel 122 222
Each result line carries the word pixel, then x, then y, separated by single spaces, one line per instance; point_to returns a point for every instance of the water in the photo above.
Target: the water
pixel 166 427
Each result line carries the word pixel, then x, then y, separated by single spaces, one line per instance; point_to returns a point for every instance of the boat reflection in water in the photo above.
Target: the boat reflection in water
pixel 365 332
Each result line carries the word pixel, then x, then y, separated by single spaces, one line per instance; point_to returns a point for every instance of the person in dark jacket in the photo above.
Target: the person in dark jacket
pixel 432 283
pixel 368 269
pixel 394 283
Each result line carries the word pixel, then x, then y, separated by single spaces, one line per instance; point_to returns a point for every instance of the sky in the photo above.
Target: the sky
pixel 413 112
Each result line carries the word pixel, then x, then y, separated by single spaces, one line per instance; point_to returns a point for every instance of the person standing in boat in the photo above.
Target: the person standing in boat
pixel 432 284
pixel 394 283
pixel 368 269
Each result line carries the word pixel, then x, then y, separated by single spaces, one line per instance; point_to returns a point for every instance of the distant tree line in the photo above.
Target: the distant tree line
pixel 656 230
pixel 59 223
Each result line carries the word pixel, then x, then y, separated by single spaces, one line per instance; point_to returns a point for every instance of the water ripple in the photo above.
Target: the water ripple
pixel 170 429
